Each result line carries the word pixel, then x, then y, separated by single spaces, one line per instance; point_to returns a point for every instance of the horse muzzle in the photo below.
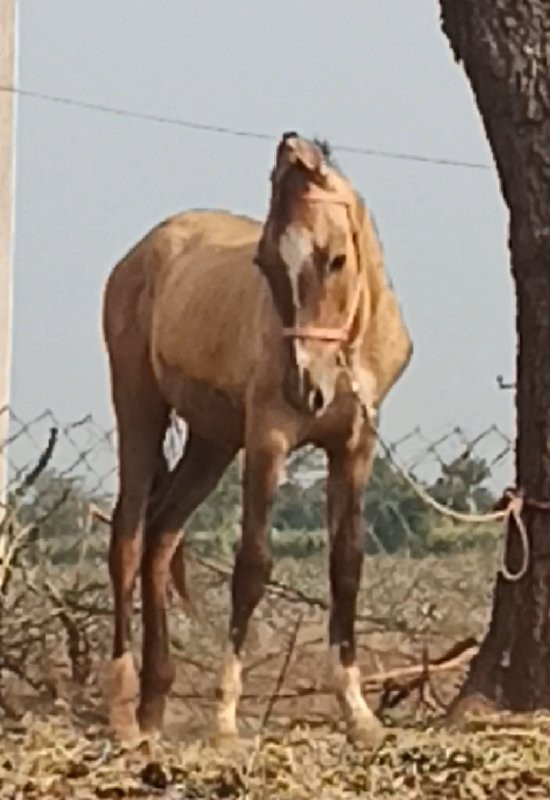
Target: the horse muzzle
pixel 307 393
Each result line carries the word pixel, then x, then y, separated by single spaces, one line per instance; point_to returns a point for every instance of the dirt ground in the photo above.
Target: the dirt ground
pixel 418 623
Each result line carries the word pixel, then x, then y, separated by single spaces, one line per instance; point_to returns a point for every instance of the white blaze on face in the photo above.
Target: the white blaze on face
pixel 295 247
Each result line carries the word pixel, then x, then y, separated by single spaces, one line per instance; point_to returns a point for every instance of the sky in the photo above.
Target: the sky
pixel 368 74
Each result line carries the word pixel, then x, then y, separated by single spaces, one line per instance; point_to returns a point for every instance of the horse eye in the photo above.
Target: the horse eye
pixel 337 263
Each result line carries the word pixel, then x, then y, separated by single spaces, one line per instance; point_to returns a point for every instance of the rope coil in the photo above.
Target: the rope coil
pixel 512 513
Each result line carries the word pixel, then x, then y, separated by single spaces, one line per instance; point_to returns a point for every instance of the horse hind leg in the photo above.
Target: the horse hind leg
pixel 164 483
pixel 141 416
pixel 193 479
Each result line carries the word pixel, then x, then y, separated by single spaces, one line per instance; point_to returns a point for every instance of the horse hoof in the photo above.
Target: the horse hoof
pixel 226 741
pixel 122 691
pixel 150 715
pixel 368 734
pixel 123 724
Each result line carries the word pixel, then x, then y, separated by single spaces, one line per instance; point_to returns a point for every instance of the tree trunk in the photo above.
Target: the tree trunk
pixel 504 46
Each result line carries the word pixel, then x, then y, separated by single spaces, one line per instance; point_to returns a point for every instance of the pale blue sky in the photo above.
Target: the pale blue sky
pixel 361 72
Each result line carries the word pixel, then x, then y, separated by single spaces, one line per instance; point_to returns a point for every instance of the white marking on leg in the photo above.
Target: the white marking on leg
pixel 295 247
pixel 353 696
pixel 347 682
pixel 231 688
pixel 122 687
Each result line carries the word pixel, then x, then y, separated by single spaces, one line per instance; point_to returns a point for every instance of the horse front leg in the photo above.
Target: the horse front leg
pixel 264 456
pixel 349 468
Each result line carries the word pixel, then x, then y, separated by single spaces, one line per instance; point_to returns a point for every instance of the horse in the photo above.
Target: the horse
pixel 262 338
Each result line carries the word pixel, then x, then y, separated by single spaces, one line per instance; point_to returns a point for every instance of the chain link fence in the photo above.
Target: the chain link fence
pixel 86 451
pixel 419 618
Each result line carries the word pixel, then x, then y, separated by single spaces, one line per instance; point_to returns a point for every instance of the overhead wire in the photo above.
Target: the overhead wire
pixel 236 132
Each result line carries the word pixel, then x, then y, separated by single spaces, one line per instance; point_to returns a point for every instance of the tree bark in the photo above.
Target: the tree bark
pixel 504 46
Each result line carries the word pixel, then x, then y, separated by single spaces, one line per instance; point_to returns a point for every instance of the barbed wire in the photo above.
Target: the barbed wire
pixel 203 127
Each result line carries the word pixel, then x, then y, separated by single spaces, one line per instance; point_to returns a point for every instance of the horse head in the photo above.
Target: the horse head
pixel 309 252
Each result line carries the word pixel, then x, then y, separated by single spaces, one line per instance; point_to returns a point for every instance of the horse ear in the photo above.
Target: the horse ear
pixel 289 135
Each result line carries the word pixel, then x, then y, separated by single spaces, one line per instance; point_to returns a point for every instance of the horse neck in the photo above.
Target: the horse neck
pixel 371 260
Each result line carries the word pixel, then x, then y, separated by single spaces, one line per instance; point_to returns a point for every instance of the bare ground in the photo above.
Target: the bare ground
pixel 418 624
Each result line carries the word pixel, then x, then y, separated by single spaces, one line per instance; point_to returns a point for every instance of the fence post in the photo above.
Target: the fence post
pixel 7 150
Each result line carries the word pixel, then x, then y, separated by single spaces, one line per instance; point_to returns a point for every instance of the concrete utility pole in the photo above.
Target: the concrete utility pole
pixel 7 149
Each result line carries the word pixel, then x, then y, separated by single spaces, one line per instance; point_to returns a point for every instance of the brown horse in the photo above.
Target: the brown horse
pixel 265 338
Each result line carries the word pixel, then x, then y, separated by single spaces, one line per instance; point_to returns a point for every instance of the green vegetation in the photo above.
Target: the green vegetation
pixel 397 520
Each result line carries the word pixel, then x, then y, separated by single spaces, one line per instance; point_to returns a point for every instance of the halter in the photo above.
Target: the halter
pixel 315 194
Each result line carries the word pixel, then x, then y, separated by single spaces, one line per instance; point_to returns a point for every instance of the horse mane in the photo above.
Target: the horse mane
pixel 368 239
pixel 328 153
pixel 370 253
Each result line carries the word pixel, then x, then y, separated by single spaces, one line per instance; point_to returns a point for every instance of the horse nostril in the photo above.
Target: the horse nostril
pixel 316 401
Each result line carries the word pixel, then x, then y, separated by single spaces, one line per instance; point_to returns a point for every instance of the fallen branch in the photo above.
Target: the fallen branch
pixel 419 674
pixel 282 674
pixel 454 658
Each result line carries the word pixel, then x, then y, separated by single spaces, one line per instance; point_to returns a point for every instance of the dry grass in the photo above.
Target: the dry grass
pixel 55 761
pixel 55 630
